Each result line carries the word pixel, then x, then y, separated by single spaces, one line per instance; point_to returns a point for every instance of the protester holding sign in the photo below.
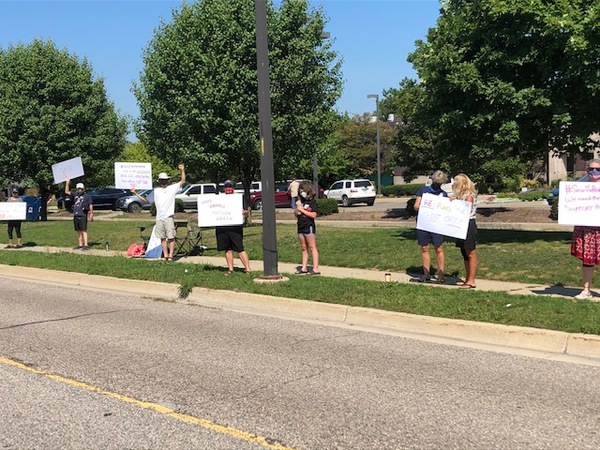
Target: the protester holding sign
pixel 164 199
pixel 82 210
pixel 230 238
pixel 585 243
pixel 14 225
pixel 464 189
pixel 424 238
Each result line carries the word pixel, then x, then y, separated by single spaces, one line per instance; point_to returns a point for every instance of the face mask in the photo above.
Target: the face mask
pixel 303 194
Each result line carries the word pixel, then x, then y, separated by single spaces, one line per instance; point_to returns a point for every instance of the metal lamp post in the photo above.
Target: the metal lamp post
pixel 270 256
pixel 376 97
pixel 315 162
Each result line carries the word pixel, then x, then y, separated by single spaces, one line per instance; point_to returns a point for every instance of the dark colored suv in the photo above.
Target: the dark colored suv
pixel 101 198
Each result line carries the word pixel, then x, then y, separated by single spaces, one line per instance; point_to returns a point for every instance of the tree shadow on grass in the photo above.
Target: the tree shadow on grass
pixel 499 236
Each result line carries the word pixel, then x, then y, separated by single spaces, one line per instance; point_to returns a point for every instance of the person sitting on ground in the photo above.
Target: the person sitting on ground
pixel 424 238
pixel 164 199
pixel 230 238
pixel 14 225
pixel 82 211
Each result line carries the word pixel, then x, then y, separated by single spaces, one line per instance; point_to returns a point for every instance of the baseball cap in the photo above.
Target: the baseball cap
pixel 80 186
pixel 228 183
pixel 163 176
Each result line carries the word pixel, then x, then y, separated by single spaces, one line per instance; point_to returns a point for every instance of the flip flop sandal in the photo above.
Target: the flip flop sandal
pixel 229 272
pixel 301 272
pixel 422 279
pixel 467 286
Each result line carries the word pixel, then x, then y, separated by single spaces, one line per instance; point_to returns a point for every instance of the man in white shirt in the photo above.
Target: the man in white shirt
pixel 164 199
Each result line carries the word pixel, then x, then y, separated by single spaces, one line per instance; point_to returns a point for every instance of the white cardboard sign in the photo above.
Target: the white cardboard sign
pixel 13 211
pixel 133 175
pixel 579 203
pixel 438 214
pixel 67 170
pixel 223 209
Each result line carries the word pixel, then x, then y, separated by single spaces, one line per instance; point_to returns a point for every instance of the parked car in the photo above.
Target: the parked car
pixel 554 192
pixel 133 204
pixel 350 192
pixel 255 186
pixel 189 194
pixel 282 198
pixel 105 198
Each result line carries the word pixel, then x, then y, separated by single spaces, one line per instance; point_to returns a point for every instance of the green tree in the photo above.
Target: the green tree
pixel 508 79
pixel 198 91
pixel 52 109
pixel 137 152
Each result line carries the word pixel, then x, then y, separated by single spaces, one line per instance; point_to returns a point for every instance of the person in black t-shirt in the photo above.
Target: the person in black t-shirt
pixel 307 210
pixel 82 210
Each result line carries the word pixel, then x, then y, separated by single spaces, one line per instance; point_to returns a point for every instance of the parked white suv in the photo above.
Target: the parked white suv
pixel 349 192
pixel 189 194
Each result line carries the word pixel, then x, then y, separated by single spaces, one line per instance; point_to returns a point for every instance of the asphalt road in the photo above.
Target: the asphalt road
pixel 85 369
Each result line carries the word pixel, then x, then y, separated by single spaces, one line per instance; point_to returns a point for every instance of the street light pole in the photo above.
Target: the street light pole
pixel 315 161
pixel 376 97
pixel 267 172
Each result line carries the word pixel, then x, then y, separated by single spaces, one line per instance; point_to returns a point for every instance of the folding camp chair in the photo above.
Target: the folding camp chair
pixel 190 243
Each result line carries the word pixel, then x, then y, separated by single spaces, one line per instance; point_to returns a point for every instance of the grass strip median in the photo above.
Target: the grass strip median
pixel 483 306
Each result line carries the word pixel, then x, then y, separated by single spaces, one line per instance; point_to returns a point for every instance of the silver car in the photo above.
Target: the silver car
pixel 133 204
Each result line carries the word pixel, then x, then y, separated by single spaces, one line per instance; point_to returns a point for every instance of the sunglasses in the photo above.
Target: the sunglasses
pixel 594 170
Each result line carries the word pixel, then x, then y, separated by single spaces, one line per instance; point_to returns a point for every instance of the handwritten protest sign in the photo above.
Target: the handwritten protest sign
pixel 222 209
pixel 579 203
pixel 133 175
pixel 13 210
pixel 67 170
pixel 438 214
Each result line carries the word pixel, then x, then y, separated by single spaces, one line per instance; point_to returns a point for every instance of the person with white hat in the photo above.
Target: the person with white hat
pixel 164 199
pixel 14 224
pixel 82 211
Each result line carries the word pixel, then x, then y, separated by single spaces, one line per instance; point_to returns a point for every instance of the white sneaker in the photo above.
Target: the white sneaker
pixel 584 295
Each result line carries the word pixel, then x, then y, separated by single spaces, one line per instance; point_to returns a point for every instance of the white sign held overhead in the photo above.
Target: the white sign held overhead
pixel 67 170
pixel 579 203
pixel 13 211
pixel 438 214
pixel 133 175
pixel 222 209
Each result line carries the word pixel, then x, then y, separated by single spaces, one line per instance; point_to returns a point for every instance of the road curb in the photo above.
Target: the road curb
pixel 573 344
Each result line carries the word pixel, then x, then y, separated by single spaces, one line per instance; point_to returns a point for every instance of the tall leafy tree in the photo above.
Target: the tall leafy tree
pixel 198 91
pixel 52 108
pixel 508 79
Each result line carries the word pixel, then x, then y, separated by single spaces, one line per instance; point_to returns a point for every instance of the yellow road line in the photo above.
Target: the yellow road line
pixel 207 424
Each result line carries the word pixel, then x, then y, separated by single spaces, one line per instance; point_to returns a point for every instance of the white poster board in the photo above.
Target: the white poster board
pixel 438 214
pixel 13 211
pixel 133 175
pixel 67 170
pixel 223 209
pixel 579 203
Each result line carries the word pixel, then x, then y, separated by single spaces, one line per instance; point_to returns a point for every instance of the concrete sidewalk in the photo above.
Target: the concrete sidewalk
pixel 547 344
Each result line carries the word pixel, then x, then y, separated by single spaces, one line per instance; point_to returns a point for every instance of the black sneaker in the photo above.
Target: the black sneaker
pixel 79 247
pixel 85 247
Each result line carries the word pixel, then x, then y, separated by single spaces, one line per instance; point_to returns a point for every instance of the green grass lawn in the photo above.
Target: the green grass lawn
pixel 536 257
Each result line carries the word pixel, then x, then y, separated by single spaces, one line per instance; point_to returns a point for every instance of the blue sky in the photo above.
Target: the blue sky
pixel 373 37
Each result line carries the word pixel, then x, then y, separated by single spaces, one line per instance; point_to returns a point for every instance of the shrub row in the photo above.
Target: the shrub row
pixel 327 206
pixel 400 190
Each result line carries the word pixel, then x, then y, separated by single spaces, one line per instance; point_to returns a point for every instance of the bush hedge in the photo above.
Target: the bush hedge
pixel 400 190
pixel 327 206
pixel 179 207
pixel 533 195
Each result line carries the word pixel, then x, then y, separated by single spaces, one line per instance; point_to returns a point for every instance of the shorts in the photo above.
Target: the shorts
pixel 80 223
pixel 230 238
pixel 470 242
pixel 427 237
pixel 308 230
pixel 165 228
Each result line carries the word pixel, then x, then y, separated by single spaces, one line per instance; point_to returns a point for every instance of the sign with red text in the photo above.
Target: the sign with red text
pixel 13 210
pixel 579 203
pixel 133 175
pixel 222 209
pixel 437 214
